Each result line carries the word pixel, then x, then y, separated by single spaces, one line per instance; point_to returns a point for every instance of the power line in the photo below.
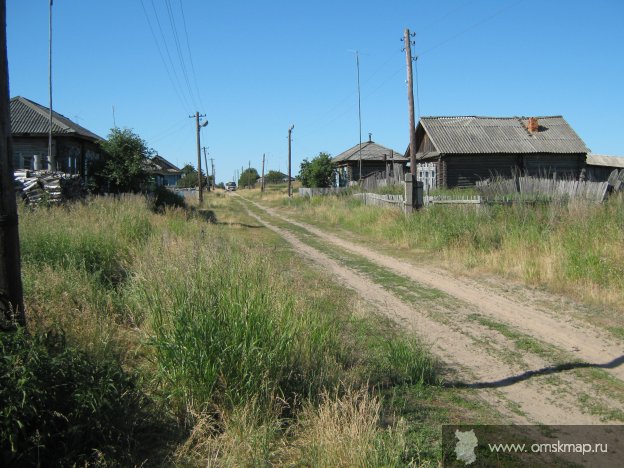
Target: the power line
pixel 188 46
pixel 178 48
pixel 321 123
pixel 171 130
pixel 162 57
pixel 471 27
pixel 162 35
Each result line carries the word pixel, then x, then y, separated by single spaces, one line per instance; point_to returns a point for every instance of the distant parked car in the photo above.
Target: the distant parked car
pixel 230 186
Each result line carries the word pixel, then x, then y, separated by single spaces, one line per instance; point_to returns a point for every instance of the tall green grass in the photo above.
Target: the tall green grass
pixel 577 247
pixel 217 324
pixel 225 328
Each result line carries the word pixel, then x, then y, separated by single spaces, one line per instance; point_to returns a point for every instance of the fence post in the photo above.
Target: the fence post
pixel 409 192
pixel 418 194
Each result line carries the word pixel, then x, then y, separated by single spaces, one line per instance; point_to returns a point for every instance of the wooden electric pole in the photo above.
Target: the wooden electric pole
pixel 410 98
pixel 11 299
pixel 197 116
pixel 289 166
pixel 207 174
pixel 51 155
pixel 357 63
pixel 214 180
pixel 262 184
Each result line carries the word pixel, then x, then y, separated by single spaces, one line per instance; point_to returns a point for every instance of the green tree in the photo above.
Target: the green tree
pixel 248 178
pixel 319 172
pixel 189 177
pixel 274 177
pixel 123 167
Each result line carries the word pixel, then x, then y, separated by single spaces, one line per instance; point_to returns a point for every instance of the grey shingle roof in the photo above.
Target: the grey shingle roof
pixel 28 117
pixel 471 135
pixel 602 160
pixel 159 163
pixel 371 151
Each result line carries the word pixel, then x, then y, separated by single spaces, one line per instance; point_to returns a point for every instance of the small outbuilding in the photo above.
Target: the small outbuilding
pixel 374 158
pixel 599 166
pixel 463 150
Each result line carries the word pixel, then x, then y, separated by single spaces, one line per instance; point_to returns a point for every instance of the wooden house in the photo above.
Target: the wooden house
pixel 463 150
pixel 163 172
pixel 599 167
pixel 374 158
pixel 72 145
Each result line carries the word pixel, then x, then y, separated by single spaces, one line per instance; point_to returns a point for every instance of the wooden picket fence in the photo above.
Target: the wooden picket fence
pixel 385 201
pixel 312 192
pixel 393 176
pixel 546 189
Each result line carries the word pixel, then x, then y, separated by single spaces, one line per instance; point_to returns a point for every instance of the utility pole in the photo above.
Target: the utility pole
pixel 289 166
pixel 357 62
pixel 11 299
pixel 262 184
pixel 197 116
pixel 206 163
pixel 51 156
pixel 214 180
pixel 410 98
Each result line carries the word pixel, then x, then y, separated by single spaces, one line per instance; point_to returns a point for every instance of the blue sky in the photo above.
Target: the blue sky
pixel 254 68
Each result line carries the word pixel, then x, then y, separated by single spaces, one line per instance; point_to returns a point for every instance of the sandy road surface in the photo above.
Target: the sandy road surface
pixel 524 387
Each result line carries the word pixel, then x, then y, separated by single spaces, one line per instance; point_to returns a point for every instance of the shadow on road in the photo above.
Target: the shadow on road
pixel 210 217
pixel 506 382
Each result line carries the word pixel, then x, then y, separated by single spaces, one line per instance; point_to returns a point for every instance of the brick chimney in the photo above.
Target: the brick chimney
pixel 533 126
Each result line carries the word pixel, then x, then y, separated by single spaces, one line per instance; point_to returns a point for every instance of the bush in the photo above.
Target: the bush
pixel 164 198
pixel 59 406
pixel 319 172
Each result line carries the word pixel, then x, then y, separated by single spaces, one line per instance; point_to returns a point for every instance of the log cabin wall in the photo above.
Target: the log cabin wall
pixel 466 170
pixel 550 165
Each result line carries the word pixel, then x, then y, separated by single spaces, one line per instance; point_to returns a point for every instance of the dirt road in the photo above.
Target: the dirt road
pixel 534 366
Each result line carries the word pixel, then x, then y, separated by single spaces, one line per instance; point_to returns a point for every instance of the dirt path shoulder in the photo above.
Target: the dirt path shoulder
pixel 526 390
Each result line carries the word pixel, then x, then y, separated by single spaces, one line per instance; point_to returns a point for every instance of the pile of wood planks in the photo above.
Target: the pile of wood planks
pixel 36 187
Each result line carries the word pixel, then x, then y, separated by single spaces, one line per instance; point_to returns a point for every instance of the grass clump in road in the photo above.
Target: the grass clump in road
pixel 211 323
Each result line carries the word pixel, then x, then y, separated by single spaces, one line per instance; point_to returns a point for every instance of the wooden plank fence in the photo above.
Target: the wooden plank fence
pixel 312 192
pixel 385 201
pixel 452 200
pixel 549 189
pixel 394 175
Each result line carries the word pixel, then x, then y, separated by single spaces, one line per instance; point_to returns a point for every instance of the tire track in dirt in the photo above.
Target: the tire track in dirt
pixel 584 341
pixel 537 402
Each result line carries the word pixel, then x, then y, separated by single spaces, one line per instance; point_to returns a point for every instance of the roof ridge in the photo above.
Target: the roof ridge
pixel 430 117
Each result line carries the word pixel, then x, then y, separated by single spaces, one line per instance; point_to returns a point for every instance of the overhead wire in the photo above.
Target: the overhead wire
pixel 171 130
pixel 188 46
pixel 162 57
pixel 178 49
pixel 401 68
pixel 189 105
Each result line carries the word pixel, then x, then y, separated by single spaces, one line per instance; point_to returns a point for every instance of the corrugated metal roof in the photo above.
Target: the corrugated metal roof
pixel 28 117
pixel 603 160
pixel 483 135
pixel 371 151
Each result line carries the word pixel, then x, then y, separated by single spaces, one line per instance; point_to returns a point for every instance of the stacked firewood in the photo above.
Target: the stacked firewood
pixel 36 187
